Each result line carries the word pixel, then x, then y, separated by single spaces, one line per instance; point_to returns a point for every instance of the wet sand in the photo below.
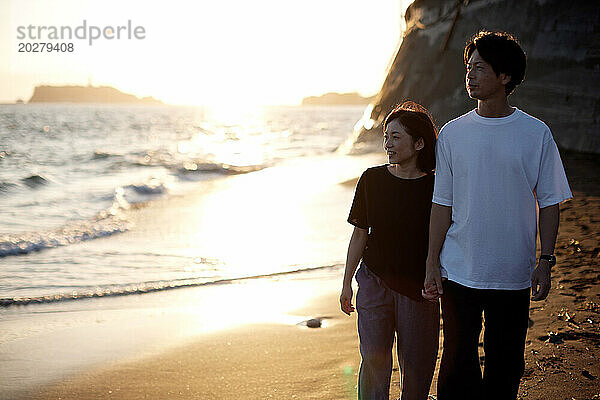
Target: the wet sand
pixel 288 360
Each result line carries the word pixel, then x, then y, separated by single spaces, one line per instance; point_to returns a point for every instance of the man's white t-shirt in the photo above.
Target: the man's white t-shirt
pixel 492 171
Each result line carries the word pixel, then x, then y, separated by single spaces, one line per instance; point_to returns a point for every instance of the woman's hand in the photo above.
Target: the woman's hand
pixel 346 300
pixel 432 285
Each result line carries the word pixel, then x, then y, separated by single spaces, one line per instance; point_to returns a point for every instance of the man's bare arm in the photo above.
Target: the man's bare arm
pixel 439 223
pixel 548 226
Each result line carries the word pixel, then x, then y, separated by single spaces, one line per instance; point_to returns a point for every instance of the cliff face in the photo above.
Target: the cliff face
pixel 85 94
pixel 562 83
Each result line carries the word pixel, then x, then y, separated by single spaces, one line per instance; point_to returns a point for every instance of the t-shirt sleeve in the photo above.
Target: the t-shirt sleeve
pixel 358 211
pixel 552 185
pixel 442 189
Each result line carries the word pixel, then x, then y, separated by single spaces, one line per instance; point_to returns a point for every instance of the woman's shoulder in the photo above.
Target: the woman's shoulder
pixel 428 179
pixel 371 174
pixel 377 169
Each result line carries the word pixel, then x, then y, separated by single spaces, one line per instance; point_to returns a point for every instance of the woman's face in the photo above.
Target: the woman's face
pixel 398 144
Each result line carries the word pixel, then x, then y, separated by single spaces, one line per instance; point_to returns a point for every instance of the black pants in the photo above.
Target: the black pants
pixel 506 316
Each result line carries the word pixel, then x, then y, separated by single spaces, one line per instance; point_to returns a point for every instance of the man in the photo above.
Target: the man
pixel 493 165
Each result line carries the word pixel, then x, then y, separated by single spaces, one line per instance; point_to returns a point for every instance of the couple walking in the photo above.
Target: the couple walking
pixel 466 236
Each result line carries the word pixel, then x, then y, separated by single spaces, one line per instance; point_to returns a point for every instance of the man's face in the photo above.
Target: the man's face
pixel 481 80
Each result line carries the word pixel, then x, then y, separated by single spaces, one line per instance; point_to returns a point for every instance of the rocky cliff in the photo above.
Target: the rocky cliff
pixel 562 83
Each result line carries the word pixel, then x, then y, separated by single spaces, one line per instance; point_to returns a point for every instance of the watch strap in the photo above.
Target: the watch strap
pixel 550 258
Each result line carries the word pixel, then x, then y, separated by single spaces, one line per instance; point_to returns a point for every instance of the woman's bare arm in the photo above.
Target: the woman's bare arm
pixel 356 247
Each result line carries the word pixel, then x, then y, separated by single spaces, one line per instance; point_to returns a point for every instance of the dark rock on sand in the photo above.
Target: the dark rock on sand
pixel 314 323
pixel 587 374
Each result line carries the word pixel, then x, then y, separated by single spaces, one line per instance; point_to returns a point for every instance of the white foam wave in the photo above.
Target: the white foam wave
pixel 76 232
pixel 147 287
pixel 153 187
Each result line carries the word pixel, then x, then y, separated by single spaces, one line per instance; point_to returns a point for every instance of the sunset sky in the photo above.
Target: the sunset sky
pixel 208 52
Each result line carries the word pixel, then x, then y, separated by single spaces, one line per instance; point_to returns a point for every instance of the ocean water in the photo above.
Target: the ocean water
pixel 99 200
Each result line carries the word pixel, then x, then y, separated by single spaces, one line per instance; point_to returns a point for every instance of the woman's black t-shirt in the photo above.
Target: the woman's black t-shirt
pixel 396 212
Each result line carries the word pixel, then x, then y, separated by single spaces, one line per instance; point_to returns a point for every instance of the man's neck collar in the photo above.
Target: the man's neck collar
pixel 494 108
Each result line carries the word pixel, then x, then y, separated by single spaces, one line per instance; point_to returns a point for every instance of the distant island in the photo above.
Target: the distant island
pixel 336 99
pixel 86 94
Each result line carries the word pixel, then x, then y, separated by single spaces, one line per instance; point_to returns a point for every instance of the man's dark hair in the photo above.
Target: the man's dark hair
pixel 503 52
pixel 418 124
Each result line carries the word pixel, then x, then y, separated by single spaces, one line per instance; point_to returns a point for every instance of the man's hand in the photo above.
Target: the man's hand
pixel 432 285
pixel 346 300
pixel 540 281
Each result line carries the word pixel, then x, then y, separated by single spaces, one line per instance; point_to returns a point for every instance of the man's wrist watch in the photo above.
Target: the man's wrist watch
pixel 550 258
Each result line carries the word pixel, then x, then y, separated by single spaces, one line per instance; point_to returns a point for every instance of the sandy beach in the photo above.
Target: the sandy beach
pixel 563 341
pixel 282 358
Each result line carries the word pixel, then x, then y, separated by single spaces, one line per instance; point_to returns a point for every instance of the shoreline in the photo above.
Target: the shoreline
pixel 143 288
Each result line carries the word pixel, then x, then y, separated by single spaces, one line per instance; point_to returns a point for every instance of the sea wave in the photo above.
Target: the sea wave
pixel 5 186
pixel 185 169
pixel 101 155
pixel 34 181
pixel 145 287
pixel 153 187
pixel 76 232
pixel 107 222
pixel 194 170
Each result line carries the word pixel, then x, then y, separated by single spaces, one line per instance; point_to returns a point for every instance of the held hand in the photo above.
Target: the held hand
pixel 432 286
pixel 346 300
pixel 540 281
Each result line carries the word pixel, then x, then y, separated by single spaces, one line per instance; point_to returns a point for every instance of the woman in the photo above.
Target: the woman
pixel 390 214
